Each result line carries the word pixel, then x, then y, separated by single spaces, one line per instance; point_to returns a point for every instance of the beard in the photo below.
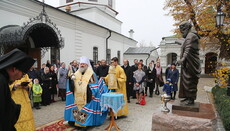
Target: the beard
pixel 83 69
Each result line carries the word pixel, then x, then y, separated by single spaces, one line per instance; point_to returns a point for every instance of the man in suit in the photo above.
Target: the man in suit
pixel 102 70
pixel 134 68
pixel 129 78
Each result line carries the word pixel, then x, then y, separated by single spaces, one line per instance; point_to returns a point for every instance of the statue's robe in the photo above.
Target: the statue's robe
pixel 190 68
pixel 121 83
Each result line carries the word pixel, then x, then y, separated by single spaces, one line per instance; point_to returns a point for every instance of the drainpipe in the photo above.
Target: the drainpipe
pixel 106 46
pixel 150 54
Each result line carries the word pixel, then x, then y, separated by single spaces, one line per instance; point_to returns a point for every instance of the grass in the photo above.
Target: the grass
pixel 222 102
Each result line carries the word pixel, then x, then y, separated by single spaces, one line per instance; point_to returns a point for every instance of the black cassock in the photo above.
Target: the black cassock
pixel 9 111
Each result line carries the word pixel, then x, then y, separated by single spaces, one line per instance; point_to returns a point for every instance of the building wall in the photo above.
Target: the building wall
pixel 104 2
pixel 153 56
pixel 167 49
pixel 132 57
pixel 99 17
pixel 79 35
pixel 168 45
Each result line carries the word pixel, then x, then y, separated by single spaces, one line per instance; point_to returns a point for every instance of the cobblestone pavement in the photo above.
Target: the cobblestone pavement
pixel 138 119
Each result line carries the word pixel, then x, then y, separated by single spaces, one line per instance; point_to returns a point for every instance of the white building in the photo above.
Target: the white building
pixel 147 54
pixel 171 50
pixel 86 29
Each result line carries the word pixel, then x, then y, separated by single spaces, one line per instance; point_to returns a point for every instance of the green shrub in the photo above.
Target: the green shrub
pixel 222 102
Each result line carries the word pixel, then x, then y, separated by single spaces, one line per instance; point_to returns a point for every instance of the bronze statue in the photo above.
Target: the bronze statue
pixel 190 64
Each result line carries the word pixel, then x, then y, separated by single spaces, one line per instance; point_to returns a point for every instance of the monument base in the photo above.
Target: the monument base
pixel 177 120
pixel 181 106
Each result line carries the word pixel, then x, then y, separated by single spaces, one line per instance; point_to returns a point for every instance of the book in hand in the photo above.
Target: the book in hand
pixel 25 83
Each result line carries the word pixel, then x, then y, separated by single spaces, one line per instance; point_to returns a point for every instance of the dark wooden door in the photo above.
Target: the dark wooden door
pixel 36 54
pixel 210 62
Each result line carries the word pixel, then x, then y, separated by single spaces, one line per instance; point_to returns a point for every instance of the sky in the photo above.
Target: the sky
pixel 146 17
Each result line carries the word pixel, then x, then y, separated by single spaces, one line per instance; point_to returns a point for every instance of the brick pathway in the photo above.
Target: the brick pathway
pixel 139 118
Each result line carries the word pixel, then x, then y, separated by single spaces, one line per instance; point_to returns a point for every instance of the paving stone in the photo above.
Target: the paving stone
pixel 138 119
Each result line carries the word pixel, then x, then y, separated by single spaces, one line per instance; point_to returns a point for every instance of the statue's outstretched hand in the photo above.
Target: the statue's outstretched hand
pixel 179 62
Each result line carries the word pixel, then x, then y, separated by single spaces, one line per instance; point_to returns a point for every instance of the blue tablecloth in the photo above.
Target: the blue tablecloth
pixel 114 101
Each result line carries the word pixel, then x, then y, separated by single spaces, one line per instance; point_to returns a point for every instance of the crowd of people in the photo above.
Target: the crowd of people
pixel 133 81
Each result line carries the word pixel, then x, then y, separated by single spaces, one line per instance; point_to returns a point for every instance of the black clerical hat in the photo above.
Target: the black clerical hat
pixel 17 59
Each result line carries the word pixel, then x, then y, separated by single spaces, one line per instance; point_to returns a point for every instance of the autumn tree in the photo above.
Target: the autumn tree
pixel 202 15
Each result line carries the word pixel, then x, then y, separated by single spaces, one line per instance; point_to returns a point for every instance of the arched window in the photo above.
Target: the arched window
pixel 119 56
pixel 171 58
pixel 95 54
pixel 55 54
pixel 67 1
pixel 108 56
pixel 110 3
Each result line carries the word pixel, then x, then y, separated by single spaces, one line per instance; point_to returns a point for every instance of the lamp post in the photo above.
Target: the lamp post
pixel 220 18
pixel 219 23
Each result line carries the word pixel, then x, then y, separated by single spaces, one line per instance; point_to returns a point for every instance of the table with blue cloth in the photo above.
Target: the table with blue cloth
pixel 115 102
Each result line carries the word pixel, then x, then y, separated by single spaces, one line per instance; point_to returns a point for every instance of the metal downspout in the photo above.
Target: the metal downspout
pixel 106 46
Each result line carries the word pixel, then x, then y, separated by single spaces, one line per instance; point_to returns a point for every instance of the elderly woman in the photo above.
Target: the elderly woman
pixel 62 81
pixel 46 86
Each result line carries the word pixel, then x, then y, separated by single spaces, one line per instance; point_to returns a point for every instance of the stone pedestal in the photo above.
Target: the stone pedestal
pixel 180 106
pixel 178 120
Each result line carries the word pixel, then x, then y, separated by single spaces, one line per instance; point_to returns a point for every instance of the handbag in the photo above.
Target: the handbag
pixel 143 102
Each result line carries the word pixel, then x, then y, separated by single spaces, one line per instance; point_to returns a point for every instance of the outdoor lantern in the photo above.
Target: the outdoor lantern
pixel 220 18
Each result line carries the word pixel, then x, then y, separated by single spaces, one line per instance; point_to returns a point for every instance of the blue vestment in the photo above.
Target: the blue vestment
pixel 92 109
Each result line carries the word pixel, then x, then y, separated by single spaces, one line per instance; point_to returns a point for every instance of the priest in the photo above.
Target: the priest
pixel 86 109
pixel 116 80
pixel 12 67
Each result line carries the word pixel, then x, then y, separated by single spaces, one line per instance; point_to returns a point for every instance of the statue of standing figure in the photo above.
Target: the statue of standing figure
pixel 190 64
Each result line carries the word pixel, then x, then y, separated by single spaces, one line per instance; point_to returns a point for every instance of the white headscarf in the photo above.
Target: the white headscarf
pixel 85 60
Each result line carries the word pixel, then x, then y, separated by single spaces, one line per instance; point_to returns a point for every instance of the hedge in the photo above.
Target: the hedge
pixel 222 102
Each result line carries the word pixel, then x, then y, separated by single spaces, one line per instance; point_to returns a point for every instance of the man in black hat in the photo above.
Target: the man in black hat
pixel 12 67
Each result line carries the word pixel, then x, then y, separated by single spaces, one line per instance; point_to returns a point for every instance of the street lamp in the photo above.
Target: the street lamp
pixel 220 19
pixel 220 22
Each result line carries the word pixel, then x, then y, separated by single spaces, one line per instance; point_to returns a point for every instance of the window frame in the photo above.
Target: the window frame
pixel 95 54
pixel 93 0
pixel 68 1
pixel 108 56
pixel 119 56
pixel 110 3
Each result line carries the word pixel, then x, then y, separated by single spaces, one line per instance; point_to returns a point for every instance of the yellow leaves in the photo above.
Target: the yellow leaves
pixel 221 76
pixel 202 12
